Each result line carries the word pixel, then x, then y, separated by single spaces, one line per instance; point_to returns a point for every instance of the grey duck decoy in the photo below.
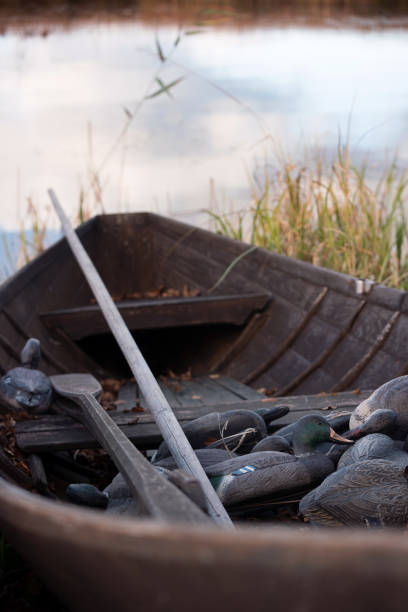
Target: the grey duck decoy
pixel 25 387
pixel 374 446
pixel 371 493
pixel 392 395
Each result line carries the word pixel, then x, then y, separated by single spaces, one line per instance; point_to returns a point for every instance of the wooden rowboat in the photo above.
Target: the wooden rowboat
pixel 252 327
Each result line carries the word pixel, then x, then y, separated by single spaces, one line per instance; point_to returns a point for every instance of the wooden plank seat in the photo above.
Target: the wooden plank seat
pixel 198 397
pixel 83 321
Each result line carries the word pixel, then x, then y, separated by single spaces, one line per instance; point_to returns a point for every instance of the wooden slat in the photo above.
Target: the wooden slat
pixel 206 264
pixel 288 341
pixel 355 370
pixel 295 382
pixel 55 432
pixel 159 313
pixel 207 391
pixel 252 328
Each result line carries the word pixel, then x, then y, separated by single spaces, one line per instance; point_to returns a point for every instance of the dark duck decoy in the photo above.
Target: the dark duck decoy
pixel 270 473
pixel 116 497
pixel 210 428
pixel 206 456
pixel 392 395
pixel 272 443
pixel 25 387
pixel 371 493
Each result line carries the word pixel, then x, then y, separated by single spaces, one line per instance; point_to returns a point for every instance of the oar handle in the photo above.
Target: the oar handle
pixel 159 407
pixel 160 498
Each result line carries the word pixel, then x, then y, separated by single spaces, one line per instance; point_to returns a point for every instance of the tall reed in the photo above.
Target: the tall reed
pixel 332 215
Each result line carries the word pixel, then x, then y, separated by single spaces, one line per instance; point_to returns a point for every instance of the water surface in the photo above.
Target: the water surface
pixel 249 88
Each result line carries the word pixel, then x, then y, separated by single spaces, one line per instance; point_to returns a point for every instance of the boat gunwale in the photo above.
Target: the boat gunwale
pixel 63 521
pixel 389 297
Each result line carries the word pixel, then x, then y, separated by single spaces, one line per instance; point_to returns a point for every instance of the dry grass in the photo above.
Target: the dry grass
pixel 330 215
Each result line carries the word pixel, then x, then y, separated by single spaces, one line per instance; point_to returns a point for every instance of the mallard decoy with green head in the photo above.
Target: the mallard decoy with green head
pixel 339 422
pixel 270 473
pixel 25 387
pixel 371 493
pixel 380 421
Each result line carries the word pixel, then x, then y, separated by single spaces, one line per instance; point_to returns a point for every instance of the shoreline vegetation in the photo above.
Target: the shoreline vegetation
pixel 331 214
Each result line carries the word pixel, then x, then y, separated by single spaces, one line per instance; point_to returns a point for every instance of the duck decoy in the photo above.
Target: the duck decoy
pixel 117 498
pixel 26 387
pixel 272 413
pixel 155 495
pixel 85 494
pixel 272 473
pixel 339 422
pixel 206 456
pixel 380 421
pixel 272 443
pixel 215 426
pixel 374 446
pixel 392 395
pixel 371 493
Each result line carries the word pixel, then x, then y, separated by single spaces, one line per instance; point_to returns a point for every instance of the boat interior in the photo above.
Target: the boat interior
pixel 199 302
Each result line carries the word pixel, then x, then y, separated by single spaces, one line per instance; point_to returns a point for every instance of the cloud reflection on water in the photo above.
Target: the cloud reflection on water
pixel 302 82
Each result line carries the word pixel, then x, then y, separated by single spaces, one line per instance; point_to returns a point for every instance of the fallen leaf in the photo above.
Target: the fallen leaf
pixel 210 441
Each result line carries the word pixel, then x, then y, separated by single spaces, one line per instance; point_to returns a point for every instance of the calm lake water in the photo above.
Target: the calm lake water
pixel 252 83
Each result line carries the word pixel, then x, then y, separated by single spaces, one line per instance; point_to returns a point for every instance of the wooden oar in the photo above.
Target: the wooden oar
pixel 158 497
pixel 159 407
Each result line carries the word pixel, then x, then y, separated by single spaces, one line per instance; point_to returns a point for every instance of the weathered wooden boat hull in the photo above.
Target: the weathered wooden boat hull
pixel 96 563
pixel 317 333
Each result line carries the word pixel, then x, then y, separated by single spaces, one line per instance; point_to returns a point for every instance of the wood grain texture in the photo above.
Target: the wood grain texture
pixel 55 432
pixel 158 405
pixel 158 313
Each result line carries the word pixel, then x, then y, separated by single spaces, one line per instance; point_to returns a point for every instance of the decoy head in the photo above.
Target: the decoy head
pixel 310 431
pixel 31 354
pixel 380 421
